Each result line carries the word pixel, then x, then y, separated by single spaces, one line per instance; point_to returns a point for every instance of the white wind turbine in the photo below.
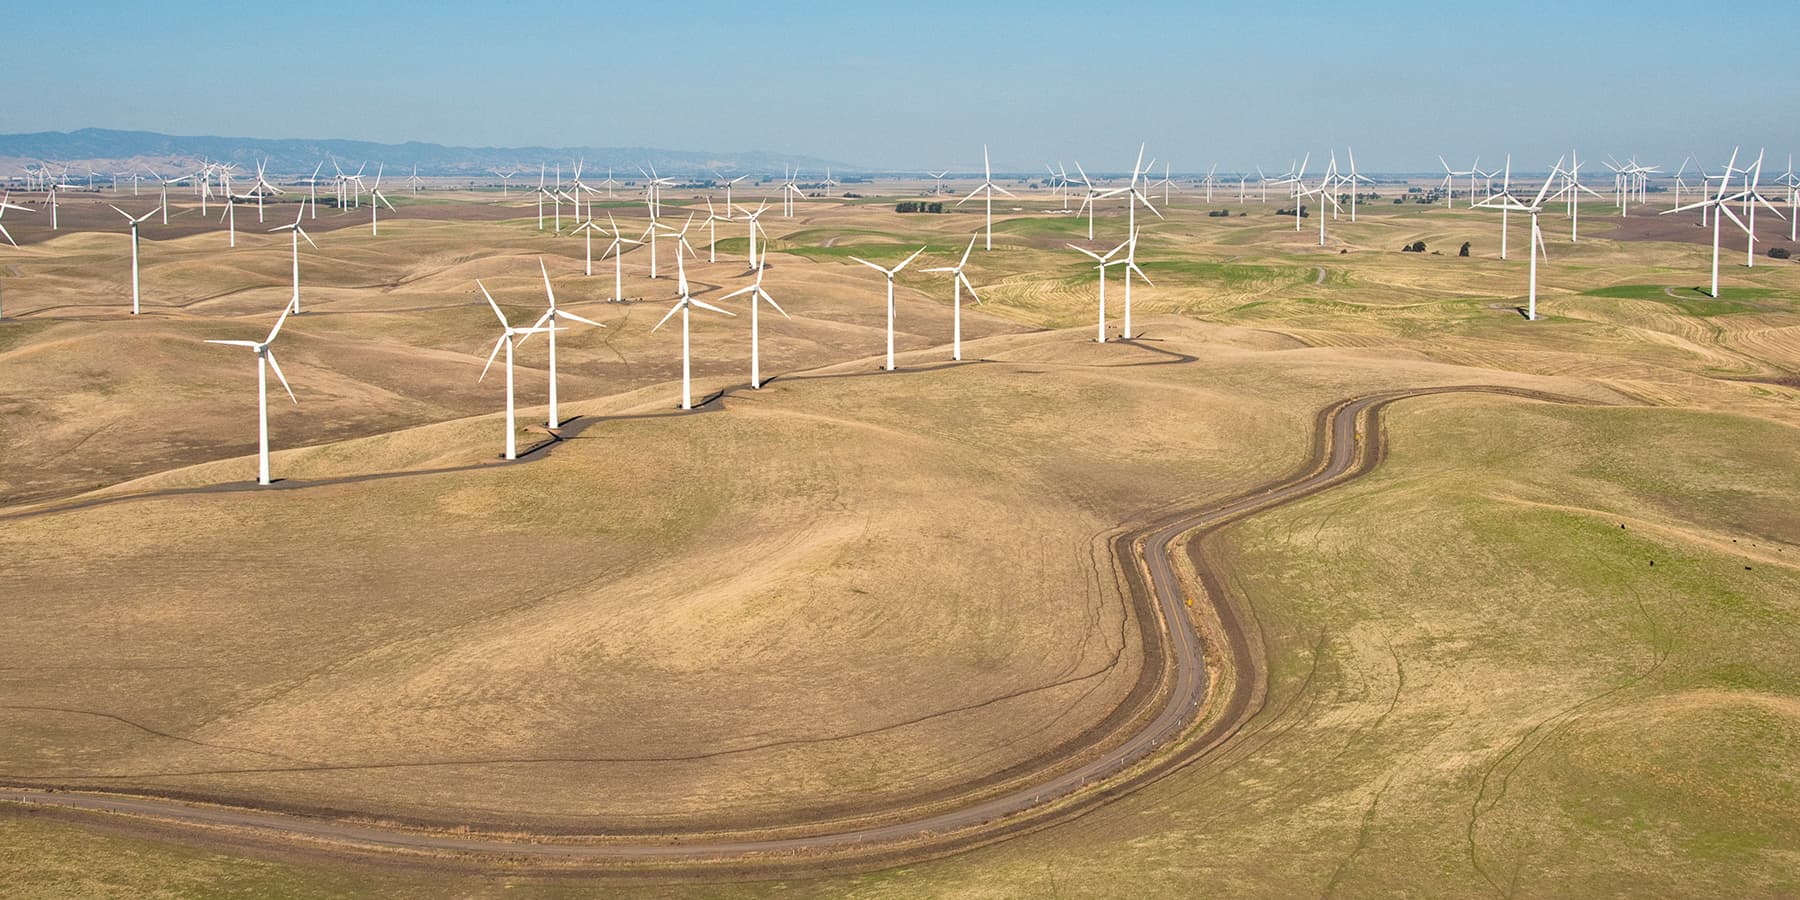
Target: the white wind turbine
pixel 617 249
pixel 135 222
pixel 263 188
pixel 1570 194
pixel 413 181
pixel 6 204
pixel 754 219
pixel 588 229
pixel 1326 192
pixel 988 187
pixel 712 229
pixel 790 191
pixel 298 233
pixel 229 216
pixel 890 273
pixel 505 181
pixel 728 183
pixel 1751 198
pixel 265 361
pixel 958 281
pixel 1103 262
pixel 757 293
pixel 1450 176
pixel 376 199
pixel 1504 201
pixel 1087 199
pixel 653 185
pixel 939 178
pixel 548 323
pixel 1131 266
pixel 681 306
pixel 1355 181
pixel 507 340
pixel 312 188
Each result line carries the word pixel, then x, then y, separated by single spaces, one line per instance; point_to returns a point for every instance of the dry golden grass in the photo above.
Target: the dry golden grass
pixel 856 590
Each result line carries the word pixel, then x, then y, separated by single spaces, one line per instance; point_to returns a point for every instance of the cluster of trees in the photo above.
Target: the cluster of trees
pixel 1289 212
pixel 1778 253
pixel 1414 247
pixel 1218 213
pixel 918 206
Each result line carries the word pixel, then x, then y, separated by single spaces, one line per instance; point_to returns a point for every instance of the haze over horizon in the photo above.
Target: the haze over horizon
pixel 925 85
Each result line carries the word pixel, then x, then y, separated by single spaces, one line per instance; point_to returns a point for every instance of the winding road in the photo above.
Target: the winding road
pixel 1194 717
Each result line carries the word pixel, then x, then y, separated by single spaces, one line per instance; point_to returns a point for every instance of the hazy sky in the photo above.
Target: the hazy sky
pixel 924 84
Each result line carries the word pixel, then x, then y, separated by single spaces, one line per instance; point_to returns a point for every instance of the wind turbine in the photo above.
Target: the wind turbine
pixel 312 188
pixel 1130 263
pixel 229 216
pixel 265 361
pixel 681 306
pixel 1506 201
pixel 1103 262
pixel 1571 190
pixel 376 199
pixel 505 181
pixel 757 293
pixel 6 204
pixel 728 183
pixel 413 181
pixel 755 221
pixel 988 187
pixel 135 222
pixel 958 281
pixel 1355 181
pixel 591 228
pixel 547 323
pixel 1450 176
pixel 712 230
pixel 1326 192
pixel 507 335
pixel 939 178
pixel 298 234
pixel 790 191
pixel 617 249
pixel 263 187
pixel 1087 200
pixel 890 273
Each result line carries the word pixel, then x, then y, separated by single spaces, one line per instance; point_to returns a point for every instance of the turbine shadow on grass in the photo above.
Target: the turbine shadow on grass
pixel 571 429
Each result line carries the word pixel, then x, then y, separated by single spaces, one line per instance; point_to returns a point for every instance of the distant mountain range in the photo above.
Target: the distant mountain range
pixel 106 150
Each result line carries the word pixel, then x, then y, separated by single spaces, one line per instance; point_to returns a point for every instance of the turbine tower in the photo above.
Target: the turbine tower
pixel 987 187
pixel 265 361
pixel 890 273
pixel 1102 263
pixel 294 304
pixel 507 336
pixel 1505 200
pixel 547 323
pixel 135 222
pixel 958 281
pixel 681 306
pixel 757 294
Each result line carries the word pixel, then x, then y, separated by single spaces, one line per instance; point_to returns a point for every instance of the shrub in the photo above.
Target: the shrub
pixel 1778 253
pixel 1465 249
pixel 1414 247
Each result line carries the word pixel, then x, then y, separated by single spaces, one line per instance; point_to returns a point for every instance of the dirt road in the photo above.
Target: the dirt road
pixel 1346 444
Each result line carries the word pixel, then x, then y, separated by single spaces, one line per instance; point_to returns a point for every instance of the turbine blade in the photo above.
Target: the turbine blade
pixel 490 360
pixel 269 356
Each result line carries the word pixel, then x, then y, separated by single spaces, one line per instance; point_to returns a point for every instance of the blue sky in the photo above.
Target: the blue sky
pixel 924 84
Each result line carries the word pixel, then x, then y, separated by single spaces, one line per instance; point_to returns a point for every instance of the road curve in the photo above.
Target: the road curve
pixel 1346 444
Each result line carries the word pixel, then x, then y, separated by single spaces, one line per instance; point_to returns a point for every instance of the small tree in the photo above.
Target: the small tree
pixel 1465 249
pixel 1778 253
